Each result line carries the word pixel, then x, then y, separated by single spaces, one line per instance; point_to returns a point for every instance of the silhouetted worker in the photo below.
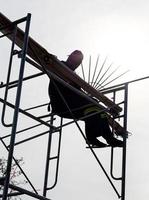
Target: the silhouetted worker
pixel 68 104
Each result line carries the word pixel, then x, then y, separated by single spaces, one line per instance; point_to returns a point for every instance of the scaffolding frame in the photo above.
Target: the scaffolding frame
pixel 18 83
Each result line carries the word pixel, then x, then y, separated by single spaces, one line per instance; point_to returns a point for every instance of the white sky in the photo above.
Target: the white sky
pixel 117 29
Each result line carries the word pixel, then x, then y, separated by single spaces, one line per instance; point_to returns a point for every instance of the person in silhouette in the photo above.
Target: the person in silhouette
pixel 69 104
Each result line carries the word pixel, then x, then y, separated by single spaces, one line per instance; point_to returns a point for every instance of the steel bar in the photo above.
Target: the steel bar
pixel 83 71
pixel 14 83
pixel 89 70
pixel 57 157
pixel 8 79
pixel 47 158
pixel 27 78
pixel 45 104
pixel 103 75
pixel 99 73
pixel 16 110
pixel 125 141
pixel 108 77
pixel 92 82
pixel 112 149
pixel 31 138
pixel 102 86
pixel 23 130
pixel 111 168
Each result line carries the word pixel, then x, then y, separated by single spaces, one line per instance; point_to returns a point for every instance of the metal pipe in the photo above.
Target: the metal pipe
pixel 26 78
pixel 47 159
pixel 102 86
pixel 15 83
pixel 92 82
pixel 89 70
pixel 83 71
pixel 57 157
pixel 26 129
pixel 112 150
pixel 8 78
pixel 94 85
pixel 16 111
pixel 98 84
pixel 107 78
pixel 125 141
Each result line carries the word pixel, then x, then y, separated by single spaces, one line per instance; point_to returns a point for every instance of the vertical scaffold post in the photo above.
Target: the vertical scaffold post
pixel 125 140
pixel 16 110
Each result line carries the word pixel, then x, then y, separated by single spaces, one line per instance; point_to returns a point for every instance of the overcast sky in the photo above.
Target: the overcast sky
pixel 118 30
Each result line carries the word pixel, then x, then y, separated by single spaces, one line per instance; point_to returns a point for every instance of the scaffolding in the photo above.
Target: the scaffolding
pixel 53 129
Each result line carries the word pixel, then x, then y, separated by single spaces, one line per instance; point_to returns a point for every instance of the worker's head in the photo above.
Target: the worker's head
pixel 74 59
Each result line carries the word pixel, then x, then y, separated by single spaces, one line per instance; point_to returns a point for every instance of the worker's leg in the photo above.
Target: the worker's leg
pixel 92 127
pixel 96 126
pixel 107 133
pixel 93 130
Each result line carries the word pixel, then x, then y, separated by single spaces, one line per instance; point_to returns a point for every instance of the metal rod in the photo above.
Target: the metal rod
pixel 112 149
pixel 89 70
pixel 14 83
pixel 103 75
pixel 47 159
pixel 8 79
pixel 102 86
pixel 45 104
pixel 108 77
pixel 27 78
pixel 125 141
pixel 16 111
pixel 92 82
pixel 57 157
pixel 31 138
pixel 30 61
pixel 83 71
pixel 23 130
pixel 99 72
